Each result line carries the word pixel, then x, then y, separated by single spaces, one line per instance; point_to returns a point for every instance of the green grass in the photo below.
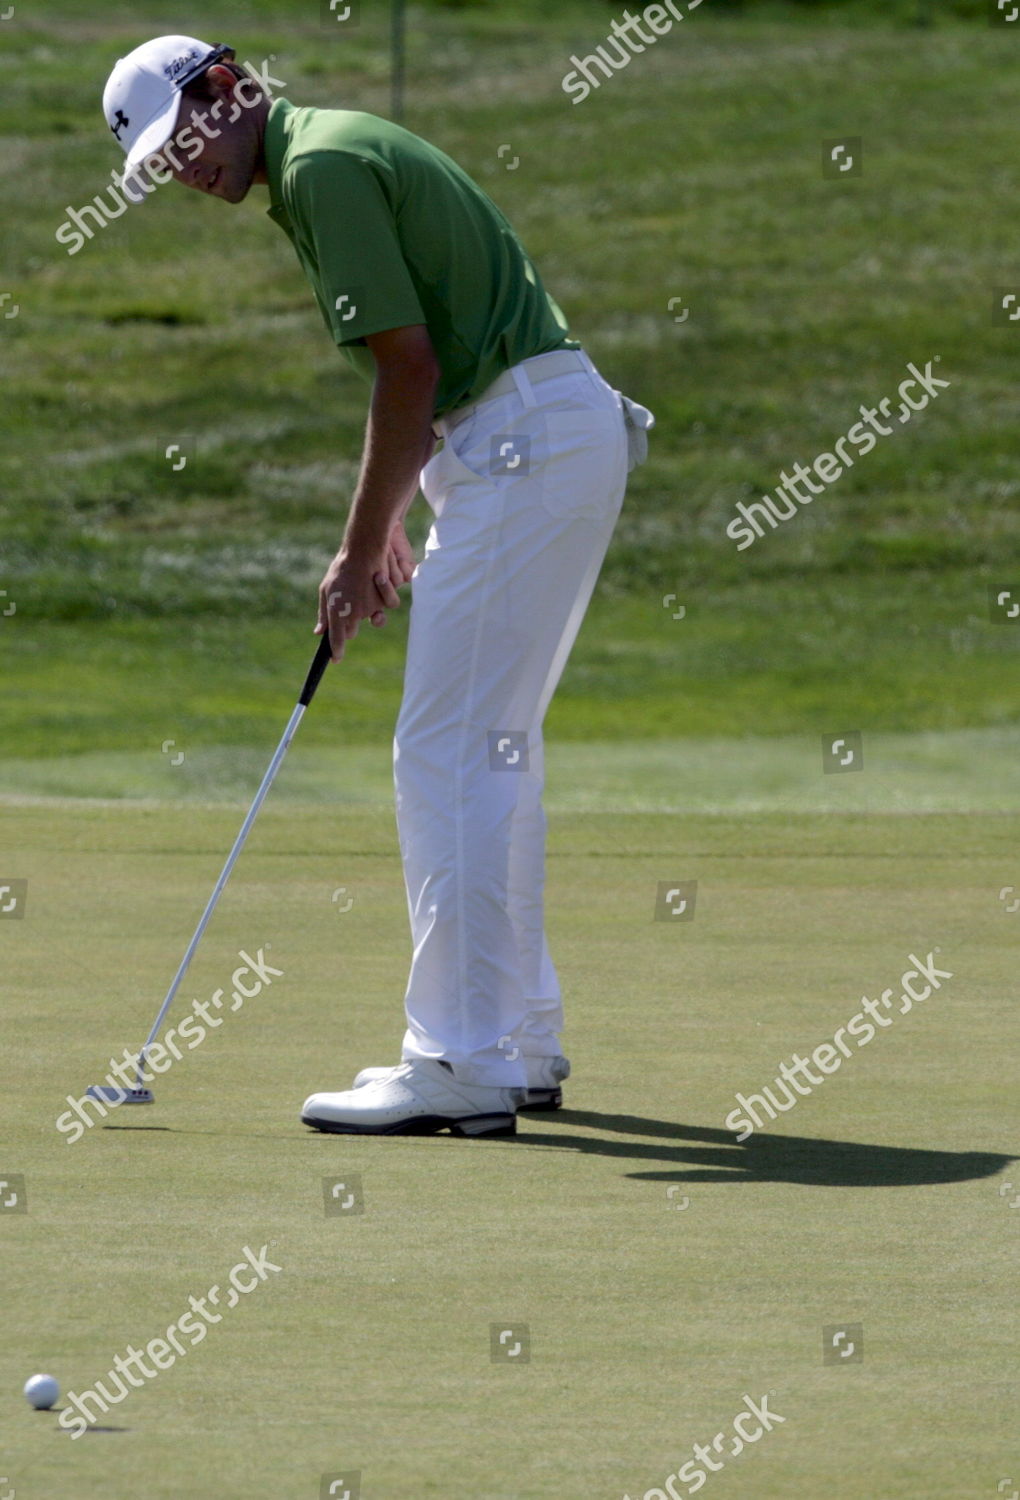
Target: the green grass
pixel 142 607
pixel 880 1199
pixel 694 173
pixel 754 664
pixel 971 770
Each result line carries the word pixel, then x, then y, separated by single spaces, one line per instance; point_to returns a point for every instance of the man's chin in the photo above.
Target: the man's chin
pixel 236 192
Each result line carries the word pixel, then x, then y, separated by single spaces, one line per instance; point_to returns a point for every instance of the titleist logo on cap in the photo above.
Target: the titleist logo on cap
pixel 179 64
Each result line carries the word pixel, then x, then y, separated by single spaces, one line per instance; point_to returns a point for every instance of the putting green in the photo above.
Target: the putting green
pixel 662 1270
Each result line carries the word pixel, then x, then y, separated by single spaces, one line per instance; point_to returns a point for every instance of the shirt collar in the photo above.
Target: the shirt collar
pixel 279 123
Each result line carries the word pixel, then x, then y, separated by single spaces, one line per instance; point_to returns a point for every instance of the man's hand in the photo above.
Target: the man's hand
pixel 400 559
pixel 355 588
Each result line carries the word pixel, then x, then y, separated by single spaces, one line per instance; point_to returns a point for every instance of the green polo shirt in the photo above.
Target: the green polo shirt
pixel 390 232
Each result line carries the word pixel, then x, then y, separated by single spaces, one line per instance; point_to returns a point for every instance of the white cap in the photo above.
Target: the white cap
pixel 142 98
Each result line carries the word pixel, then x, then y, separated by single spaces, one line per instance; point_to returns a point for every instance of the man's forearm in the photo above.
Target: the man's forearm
pixel 430 448
pixel 399 432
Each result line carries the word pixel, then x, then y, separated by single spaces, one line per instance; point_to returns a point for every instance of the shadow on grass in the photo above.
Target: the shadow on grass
pixel 762 1158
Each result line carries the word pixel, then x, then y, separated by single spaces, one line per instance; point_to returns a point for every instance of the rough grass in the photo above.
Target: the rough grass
pixel 694 173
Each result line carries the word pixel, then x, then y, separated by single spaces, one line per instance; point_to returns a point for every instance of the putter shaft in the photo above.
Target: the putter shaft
pixel 319 664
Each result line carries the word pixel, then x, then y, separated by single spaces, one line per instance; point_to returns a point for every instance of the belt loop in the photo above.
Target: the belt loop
pixel 523 385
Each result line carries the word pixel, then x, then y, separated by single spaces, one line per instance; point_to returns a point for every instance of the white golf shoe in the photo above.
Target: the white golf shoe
pixel 416 1098
pixel 545 1074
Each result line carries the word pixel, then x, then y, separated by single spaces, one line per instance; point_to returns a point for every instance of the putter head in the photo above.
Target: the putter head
pixel 119 1096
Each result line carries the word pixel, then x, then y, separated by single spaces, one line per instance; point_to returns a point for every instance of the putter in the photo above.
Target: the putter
pixel 141 1094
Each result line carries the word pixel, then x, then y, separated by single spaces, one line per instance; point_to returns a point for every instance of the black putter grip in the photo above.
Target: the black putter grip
pixel 315 671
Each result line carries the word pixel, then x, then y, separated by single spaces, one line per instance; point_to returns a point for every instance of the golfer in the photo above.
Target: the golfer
pixel 426 289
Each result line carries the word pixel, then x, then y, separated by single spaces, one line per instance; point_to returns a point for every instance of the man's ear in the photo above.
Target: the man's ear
pixel 220 80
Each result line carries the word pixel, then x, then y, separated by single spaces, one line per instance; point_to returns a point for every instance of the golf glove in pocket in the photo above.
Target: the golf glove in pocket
pixel 639 420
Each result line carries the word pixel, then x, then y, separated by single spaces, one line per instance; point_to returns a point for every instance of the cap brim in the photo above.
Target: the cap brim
pixel 154 137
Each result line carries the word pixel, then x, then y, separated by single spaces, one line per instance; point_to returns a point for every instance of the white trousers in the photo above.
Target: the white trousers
pixel 518 538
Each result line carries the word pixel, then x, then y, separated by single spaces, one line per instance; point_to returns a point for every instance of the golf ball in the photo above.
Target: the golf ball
pixel 41 1391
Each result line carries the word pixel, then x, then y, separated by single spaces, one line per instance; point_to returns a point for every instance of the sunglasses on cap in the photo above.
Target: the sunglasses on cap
pixel 218 52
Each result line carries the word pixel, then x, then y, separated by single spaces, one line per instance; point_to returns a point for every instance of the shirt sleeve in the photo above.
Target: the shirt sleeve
pixel 340 211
